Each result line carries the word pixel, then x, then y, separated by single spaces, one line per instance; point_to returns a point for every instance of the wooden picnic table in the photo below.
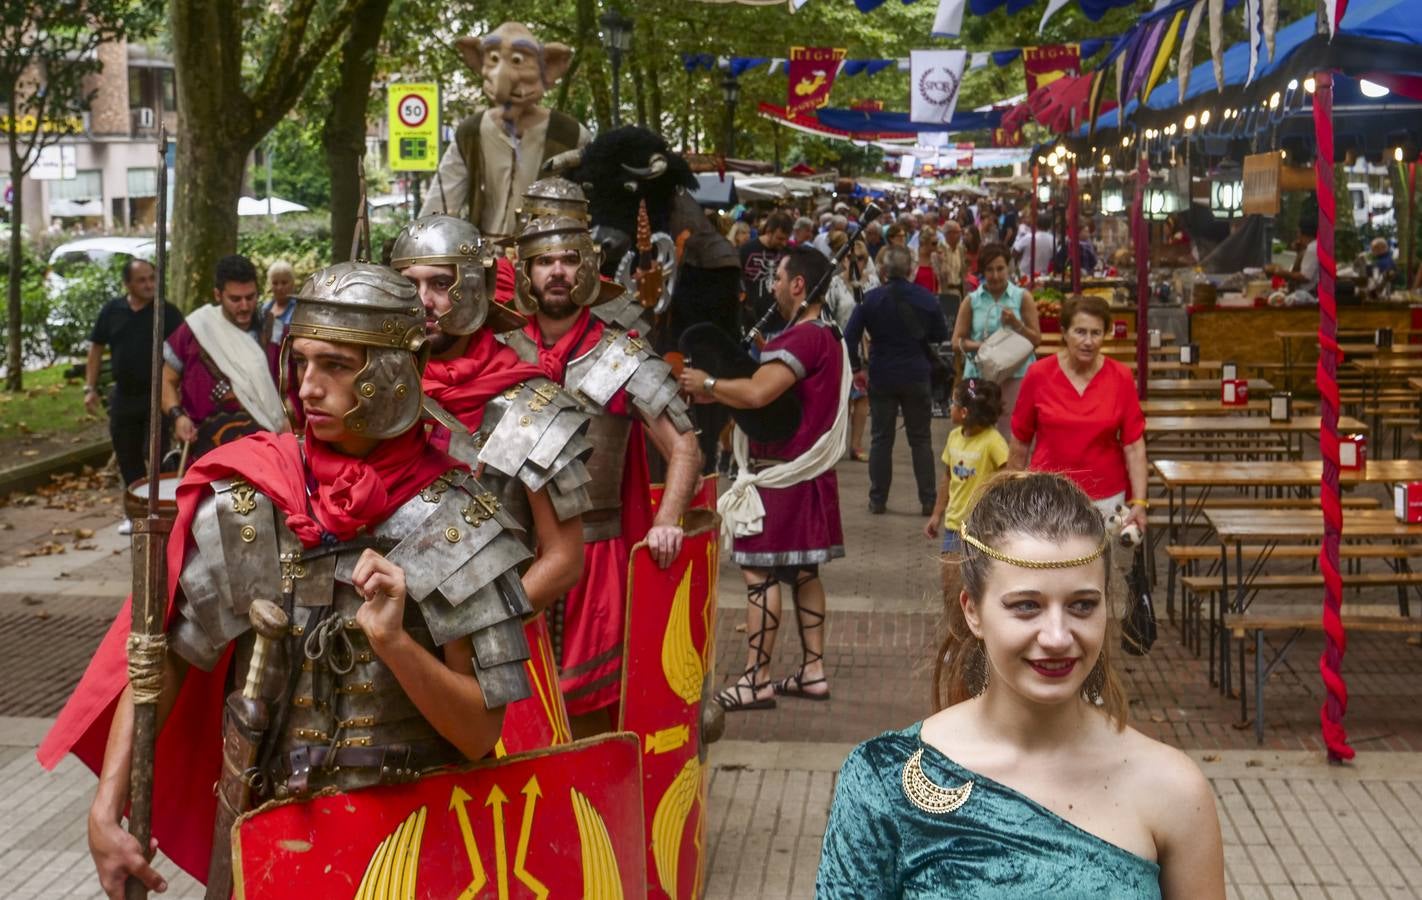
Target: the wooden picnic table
pixel 1188 406
pixel 1287 339
pixel 1267 529
pixel 1375 370
pixel 1118 351
pixel 1176 387
pixel 1056 337
pixel 1229 430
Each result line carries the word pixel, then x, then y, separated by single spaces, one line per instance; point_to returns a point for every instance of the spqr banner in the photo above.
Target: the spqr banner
pixel 936 76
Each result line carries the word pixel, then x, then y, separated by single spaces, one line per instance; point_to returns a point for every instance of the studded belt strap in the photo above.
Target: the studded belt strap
pixel 396 762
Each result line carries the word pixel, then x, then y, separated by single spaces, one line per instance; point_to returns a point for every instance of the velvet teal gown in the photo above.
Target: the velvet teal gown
pixel 981 839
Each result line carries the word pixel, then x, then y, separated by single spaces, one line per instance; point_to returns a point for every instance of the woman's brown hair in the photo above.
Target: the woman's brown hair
pixel 1089 305
pixel 991 251
pixel 1044 506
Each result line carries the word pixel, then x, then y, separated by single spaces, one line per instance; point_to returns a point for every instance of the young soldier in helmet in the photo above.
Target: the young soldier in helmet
pixel 522 432
pixel 588 346
pixel 402 620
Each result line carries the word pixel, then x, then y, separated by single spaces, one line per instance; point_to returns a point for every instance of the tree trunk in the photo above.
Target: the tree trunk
pixel 344 133
pixel 14 318
pixel 209 181
pixel 593 69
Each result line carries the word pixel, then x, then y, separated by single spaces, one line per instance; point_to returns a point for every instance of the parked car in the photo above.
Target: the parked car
pixel 1370 206
pixel 68 259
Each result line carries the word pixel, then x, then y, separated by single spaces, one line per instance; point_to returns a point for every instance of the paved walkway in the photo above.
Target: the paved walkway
pixel 1293 826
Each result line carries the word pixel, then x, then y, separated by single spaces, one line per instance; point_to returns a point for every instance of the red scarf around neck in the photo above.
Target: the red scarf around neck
pixel 586 332
pixel 465 385
pixel 349 494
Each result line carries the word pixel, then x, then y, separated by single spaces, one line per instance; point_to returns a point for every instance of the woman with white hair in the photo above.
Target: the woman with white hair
pixel 275 314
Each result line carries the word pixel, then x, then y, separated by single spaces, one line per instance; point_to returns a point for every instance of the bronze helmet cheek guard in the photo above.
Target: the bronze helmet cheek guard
pixel 447 241
pixel 542 235
pixel 375 308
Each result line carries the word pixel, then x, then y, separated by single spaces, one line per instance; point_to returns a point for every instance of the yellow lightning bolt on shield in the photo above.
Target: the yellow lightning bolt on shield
pixel 602 876
pixel 681 664
pixel 531 792
pixel 497 801
pixel 457 802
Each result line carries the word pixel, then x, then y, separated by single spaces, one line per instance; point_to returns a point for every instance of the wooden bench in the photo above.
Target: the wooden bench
pixel 1241 625
pixel 1198 587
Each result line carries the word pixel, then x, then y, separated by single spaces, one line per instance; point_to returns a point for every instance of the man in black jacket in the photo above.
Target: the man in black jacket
pixel 902 319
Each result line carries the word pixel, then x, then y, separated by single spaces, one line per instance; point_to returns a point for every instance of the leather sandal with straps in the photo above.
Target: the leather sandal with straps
pixel 794 686
pixel 733 698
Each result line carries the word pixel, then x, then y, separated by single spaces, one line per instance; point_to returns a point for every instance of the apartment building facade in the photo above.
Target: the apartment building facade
pixel 115 158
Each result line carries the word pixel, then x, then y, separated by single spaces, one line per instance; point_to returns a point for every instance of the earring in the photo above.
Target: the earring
pixel 1095 682
pixel 978 670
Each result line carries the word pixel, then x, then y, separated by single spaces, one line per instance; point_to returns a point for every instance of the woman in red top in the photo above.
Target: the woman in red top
pixel 1081 409
pixel 930 261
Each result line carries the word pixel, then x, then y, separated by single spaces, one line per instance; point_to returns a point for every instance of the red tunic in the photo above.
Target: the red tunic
pixel 802 525
pixel 595 609
pixel 1082 436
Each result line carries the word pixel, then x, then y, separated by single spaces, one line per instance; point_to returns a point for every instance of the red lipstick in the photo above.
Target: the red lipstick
pixel 1052 668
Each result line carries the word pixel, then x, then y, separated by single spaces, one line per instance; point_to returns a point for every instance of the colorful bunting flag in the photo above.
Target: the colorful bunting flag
pixel 1052 7
pixel 1251 26
pixel 1216 8
pixel 948 21
pixel 1187 48
pixel 1162 54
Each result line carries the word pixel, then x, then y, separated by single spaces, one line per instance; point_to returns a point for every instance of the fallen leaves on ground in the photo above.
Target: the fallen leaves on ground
pixel 50 548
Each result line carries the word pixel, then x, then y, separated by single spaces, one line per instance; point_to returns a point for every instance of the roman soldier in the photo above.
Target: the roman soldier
pixel 523 433
pixel 359 584
pixel 592 341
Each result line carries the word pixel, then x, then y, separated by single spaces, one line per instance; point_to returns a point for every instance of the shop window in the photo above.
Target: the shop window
pixel 143 182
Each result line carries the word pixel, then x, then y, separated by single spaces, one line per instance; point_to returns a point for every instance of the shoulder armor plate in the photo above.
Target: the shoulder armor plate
pixel 624 313
pixel 520 343
pixel 528 430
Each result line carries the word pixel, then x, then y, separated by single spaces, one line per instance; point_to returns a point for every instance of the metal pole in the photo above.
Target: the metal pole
pixel 1142 244
pixel 730 129
pixel 271 216
pixel 616 87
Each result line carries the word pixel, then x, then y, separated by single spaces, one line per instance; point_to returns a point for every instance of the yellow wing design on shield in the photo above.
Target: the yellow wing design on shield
pixel 681 663
pixel 393 869
pixel 602 877
pixel 669 821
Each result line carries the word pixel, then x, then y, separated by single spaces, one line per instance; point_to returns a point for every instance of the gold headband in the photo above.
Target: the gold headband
pixel 1032 563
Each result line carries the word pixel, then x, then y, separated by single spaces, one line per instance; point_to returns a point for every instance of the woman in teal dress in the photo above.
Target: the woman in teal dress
pixel 995 305
pixel 1028 782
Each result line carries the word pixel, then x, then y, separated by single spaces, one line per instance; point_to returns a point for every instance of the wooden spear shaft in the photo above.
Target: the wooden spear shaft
pixel 146 645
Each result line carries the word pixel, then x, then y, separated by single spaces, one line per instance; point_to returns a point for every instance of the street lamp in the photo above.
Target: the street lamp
pixel 731 89
pixel 616 40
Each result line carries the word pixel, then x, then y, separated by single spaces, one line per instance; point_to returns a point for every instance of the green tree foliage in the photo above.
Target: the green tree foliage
pixel 47 53
pixel 298 163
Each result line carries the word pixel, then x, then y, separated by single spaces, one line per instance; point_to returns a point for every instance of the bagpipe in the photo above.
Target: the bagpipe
pixel 718 354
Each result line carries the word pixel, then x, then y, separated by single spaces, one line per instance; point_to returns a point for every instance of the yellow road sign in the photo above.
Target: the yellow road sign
pixel 414 127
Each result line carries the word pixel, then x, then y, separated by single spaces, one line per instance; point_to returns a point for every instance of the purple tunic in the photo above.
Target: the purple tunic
pixel 802 524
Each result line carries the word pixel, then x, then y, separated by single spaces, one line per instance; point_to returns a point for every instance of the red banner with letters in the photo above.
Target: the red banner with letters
pixel 1043 65
pixel 810 72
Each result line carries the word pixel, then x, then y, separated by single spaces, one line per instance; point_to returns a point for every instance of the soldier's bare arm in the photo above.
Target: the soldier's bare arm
pixel 445 691
pixel 115 852
pixel 560 553
pixel 683 458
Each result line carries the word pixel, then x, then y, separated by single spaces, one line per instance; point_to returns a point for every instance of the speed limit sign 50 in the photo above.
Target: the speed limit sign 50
pixel 414 127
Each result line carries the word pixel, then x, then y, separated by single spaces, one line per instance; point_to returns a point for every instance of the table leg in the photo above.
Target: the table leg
pixel 1259 674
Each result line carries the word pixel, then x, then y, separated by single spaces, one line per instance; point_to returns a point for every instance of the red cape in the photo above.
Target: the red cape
pixel 188 758
pixel 466 384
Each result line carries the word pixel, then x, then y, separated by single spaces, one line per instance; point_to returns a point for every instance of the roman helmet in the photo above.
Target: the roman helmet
pixel 447 241
pixel 372 306
pixel 553 197
pixel 555 234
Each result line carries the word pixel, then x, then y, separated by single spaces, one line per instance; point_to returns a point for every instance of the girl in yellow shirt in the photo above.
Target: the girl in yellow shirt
pixel 975 450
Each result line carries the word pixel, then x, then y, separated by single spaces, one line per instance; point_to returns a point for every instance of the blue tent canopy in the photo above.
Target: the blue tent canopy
pixel 1375 35
pixel 854 120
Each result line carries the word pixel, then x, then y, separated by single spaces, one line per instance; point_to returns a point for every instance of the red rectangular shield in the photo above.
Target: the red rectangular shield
pixel 564 822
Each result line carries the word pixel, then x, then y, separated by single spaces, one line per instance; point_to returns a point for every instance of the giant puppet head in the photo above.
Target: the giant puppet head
pixel 517 68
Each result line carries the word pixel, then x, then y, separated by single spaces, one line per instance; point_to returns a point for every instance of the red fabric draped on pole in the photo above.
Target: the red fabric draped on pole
pixel 1140 235
pixel 1330 663
pixel 1073 228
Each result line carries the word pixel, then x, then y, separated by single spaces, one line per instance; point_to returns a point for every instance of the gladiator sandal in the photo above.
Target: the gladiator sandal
pixel 794 685
pixel 744 693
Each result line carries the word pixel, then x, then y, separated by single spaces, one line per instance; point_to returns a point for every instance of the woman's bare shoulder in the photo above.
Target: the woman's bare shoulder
pixel 1170 780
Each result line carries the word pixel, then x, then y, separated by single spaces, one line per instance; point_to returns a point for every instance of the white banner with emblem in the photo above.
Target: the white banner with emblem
pixel 936 77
